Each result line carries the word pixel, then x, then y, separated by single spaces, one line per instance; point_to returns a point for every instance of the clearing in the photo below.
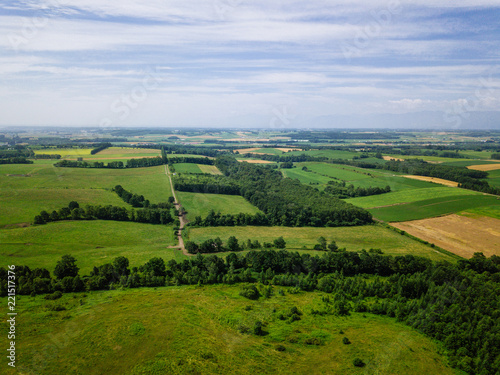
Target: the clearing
pixel 461 235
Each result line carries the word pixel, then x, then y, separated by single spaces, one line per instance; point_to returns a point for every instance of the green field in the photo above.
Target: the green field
pixel 407 196
pixel 197 204
pixel 352 238
pixel 150 182
pixel 187 168
pixel 92 243
pixel 193 330
pixel 433 207
pixel 111 153
pixel 305 177
pixel 22 205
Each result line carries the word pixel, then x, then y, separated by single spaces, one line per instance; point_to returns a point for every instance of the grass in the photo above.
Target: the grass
pixel 352 238
pixel 490 211
pixel 181 330
pixel 433 207
pixel 92 243
pixel 305 177
pixel 197 204
pixel 150 182
pixel 407 196
pixel 22 205
pixel 212 169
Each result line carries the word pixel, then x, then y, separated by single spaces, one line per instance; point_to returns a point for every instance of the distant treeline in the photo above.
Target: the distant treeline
pixel 287 158
pixel 131 163
pixel 115 213
pixel 15 160
pixel 216 219
pixel 100 147
pixel 341 190
pixel 7 152
pixel 207 184
pixel 455 303
pixel 47 156
pixel 189 159
pixel 216 245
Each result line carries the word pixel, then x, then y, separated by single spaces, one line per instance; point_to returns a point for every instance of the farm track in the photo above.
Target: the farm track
pixel 182 217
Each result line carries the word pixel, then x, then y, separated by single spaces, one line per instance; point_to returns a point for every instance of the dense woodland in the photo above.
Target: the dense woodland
pixel 456 304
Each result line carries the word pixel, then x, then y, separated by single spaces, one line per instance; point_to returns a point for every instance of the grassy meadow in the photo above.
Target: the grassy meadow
pixel 198 204
pixel 92 243
pixel 352 238
pixel 193 330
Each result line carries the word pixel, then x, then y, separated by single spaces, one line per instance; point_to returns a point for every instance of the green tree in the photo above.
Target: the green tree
pixel 232 244
pixel 280 243
pixel 66 267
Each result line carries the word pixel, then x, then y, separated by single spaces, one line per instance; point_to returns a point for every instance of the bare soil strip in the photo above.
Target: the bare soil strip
pixel 461 235
pixel 485 167
pixel 392 158
pixel 435 180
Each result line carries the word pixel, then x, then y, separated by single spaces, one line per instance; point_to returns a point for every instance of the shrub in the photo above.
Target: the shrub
pixel 280 348
pixel 56 295
pixel 313 341
pixel 358 362
pixel 346 341
pixel 250 292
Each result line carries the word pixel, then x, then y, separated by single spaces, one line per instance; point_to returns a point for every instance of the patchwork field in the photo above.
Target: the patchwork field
pixel 433 207
pixel 111 153
pixel 92 243
pixel 197 204
pixel 352 238
pixel 459 234
pixel 192 330
pixel 196 168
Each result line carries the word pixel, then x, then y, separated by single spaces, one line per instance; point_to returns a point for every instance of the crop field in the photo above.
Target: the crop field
pixel 434 180
pixel 92 243
pixel 197 204
pixel 331 154
pixel 433 207
pixel 459 234
pixel 180 330
pixel 494 178
pixel 305 177
pixel 65 152
pixel 407 196
pixel 187 168
pixel 485 167
pixel 352 238
pixel 212 169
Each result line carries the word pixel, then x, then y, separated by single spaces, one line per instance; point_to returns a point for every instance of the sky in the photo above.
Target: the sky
pixel 259 63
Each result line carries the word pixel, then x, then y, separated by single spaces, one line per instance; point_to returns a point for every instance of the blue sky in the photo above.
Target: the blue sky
pixel 250 63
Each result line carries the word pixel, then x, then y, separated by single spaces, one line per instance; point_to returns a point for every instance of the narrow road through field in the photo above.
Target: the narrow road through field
pixel 182 216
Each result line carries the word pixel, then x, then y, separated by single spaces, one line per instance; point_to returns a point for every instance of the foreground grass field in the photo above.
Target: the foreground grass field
pixel 192 330
pixel 92 243
pixel 352 238
pixel 197 204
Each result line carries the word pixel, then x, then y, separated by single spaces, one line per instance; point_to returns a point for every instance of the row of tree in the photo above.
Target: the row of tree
pixel 100 147
pixel 216 245
pixel 89 212
pixel 131 163
pixel 136 200
pixel 15 160
pixel 342 190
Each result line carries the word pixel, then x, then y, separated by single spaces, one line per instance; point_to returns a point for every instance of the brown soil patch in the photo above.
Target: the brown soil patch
pixel 461 235
pixel 288 149
pixel 435 180
pixel 392 158
pixel 256 161
pixel 247 150
pixel 485 167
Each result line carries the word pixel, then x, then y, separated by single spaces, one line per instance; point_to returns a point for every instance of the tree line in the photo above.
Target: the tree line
pixel 136 200
pixel 100 147
pixel 131 163
pixel 342 190
pixel 74 212
pixel 216 245
pixel 15 160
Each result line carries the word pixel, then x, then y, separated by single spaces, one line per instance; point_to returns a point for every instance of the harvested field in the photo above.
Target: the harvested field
pixel 247 150
pixel 254 161
pixel 387 157
pixel 461 235
pixel 485 167
pixel 435 180
pixel 288 149
pixel 212 169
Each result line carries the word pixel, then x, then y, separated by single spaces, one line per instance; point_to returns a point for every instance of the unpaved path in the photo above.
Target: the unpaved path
pixel 182 217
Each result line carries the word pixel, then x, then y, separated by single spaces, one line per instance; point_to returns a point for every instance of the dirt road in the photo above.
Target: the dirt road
pixel 182 217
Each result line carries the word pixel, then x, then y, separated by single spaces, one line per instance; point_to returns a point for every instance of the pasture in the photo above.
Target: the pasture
pixel 352 238
pixel 181 330
pixel 92 243
pixel 198 204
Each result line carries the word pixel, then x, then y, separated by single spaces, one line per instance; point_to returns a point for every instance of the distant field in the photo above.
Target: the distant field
pixel 352 238
pixel 406 196
pixel 150 182
pixel 330 154
pixel 433 207
pixel 305 177
pixel 111 153
pixel 194 330
pixel 65 152
pixel 212 169
pixel 461 235
pixel 92 243
pixel 485 167
pixel 197 204
pixel 22 205
pixel 434 180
